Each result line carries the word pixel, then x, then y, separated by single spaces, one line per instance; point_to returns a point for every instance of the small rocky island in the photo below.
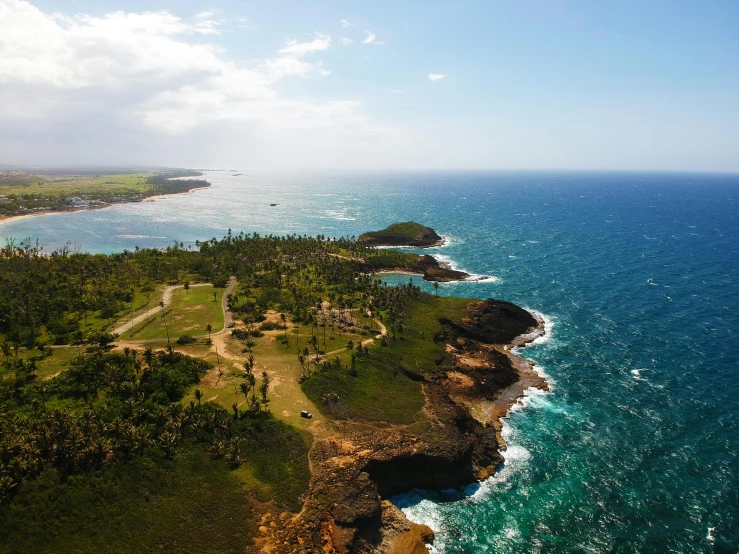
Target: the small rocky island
pixel 409 233
pixel 415 235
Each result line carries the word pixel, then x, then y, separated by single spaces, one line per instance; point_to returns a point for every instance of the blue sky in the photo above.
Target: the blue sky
pixel 412 84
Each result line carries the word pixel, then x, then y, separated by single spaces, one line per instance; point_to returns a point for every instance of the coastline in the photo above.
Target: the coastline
pixel 358 470
pixel 498 409
pixel 437 244
pixel 528 377
pixel 14 218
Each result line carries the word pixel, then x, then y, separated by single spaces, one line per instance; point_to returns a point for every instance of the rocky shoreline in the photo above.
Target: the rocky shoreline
pixel 356 471
pixel 429 268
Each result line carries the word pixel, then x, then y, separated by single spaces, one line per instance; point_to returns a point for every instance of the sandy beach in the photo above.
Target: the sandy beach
pixel 13 218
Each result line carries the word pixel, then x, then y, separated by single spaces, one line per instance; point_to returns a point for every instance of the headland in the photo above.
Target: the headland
pixel 24 195
pixel 271 383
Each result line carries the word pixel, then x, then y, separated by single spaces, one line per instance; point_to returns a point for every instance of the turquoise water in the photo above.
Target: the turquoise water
pixel 635 448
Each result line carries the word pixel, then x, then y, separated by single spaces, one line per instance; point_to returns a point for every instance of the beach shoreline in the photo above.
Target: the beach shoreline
pixel 4 220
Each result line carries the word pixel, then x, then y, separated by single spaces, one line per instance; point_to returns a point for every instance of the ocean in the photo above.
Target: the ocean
pixel 634 448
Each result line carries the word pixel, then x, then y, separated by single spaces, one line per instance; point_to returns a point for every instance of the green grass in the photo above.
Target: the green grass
pixel 19 180
pixel 191 311
pixel 383 389
pixel 77 186
pixel 57 362
pixel 191 504
pixel 51 365
pixel 286 396
pixel 142 301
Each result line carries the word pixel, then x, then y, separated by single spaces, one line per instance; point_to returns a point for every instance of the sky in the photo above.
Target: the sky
pixel 412 84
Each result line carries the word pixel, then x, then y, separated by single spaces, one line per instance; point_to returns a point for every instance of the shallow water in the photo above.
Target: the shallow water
pixel 635 448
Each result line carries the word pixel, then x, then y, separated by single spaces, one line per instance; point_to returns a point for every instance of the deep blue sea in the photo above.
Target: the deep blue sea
pixel 635 447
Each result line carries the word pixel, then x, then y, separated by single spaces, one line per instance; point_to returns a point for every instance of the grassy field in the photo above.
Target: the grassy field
pixel 281 363
pixel 190 504
pixel 383 389
pixel 142 301
pixel 50 365
pixel 77 186
pixel 189 313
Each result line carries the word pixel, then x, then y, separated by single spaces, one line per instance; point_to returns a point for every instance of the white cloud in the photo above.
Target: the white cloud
pixel 345 40
pixel 436 76
pixel 112 84
pixel 396 91
pixel 204 15
pixel 371 37
pixel 321 42
pixel 345 23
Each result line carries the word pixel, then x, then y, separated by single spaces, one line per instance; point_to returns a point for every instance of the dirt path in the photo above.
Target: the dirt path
pixel 287 396
pixel 383 333
pixel 228 319
pixel 167 299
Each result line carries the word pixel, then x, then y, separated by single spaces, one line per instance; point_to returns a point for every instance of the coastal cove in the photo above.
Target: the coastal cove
pixel 634 448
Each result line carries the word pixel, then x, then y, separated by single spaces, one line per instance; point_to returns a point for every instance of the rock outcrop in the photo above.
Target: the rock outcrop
pixel 403 234
pixel 356 471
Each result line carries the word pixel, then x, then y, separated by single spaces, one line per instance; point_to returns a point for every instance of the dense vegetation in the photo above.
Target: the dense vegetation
pixel 79 434
pixel 128 438
pixel 409 229
pixel 48 299
pixel 409 233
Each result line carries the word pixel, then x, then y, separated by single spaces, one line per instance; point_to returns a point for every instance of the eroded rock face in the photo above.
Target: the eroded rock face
pixel 356 471
pixel 493 322
pixel 444 275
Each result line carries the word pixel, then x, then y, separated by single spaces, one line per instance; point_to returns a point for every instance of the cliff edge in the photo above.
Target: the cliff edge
pixel 455 441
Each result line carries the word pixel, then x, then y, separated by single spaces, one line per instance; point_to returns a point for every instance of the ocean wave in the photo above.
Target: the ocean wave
pixel 636 373
pixel 422 506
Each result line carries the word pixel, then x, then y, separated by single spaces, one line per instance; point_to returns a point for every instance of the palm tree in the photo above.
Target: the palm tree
pixel 263 388
pixel 198 395
pixel 284 324
pixel 149 356
pixel 436 287
pixel 209 328
pixel 164 317
pixel 314 343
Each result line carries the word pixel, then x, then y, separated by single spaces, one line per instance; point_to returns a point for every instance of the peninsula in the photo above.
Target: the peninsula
pixel 407 234
pixel 24 194
pixel 164 395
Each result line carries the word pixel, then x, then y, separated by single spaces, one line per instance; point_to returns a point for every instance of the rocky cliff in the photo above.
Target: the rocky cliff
pixel 457 441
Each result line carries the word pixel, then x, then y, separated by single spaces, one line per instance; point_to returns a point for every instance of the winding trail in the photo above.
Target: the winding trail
pixel 167 299
pixel 383 333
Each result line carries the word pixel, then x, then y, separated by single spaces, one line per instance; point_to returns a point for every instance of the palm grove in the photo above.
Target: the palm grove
pixel 110 407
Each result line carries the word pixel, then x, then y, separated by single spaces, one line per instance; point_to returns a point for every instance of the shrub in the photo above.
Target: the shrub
pixel 186 339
